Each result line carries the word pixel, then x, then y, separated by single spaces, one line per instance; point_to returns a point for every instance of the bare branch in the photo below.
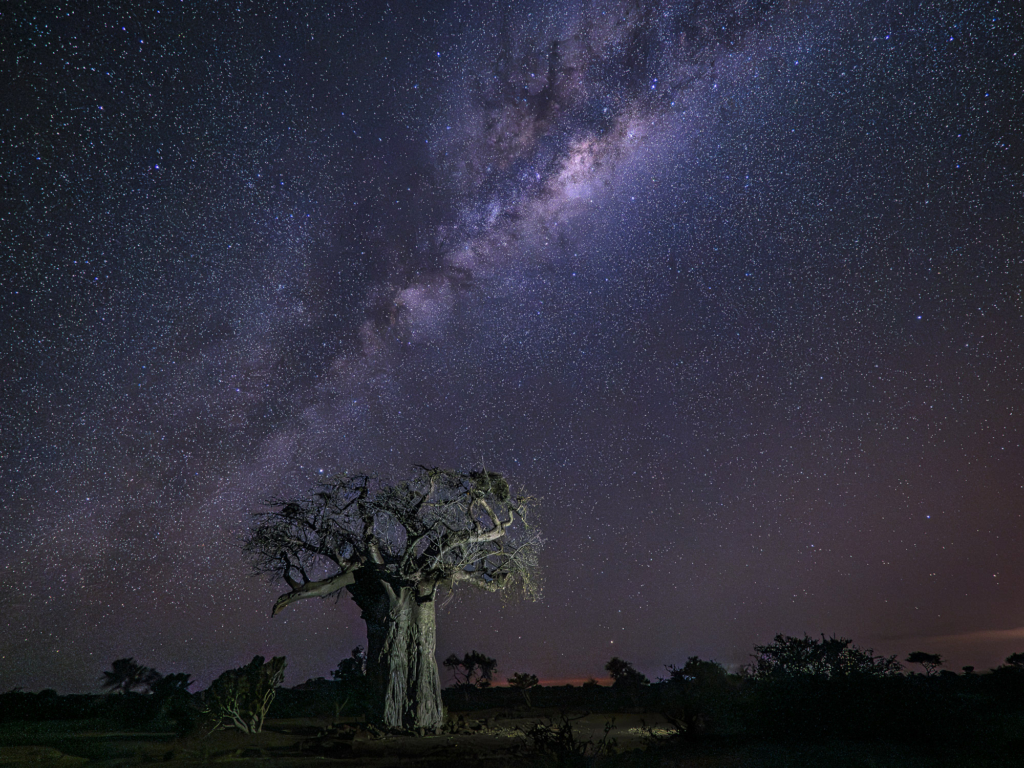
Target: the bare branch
pixel 430 528
pixel 321 588
pixel 481 580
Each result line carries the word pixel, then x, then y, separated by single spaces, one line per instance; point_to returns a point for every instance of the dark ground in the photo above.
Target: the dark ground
pixel 497 739
pixel 776 721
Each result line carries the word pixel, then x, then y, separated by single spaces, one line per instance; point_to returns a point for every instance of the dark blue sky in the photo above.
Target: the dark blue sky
pixel 735 288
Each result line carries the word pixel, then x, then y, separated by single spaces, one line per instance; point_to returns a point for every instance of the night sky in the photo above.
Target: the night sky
pixel 736 288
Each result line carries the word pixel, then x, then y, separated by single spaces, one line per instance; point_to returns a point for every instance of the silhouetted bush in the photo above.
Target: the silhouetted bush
pixel 555 742
pixel 829 657
pixel 940 708
pixel 126 675
pixel 701 699
pixel 353 669
pixel 173 706
pixel 241 698
pixel 629 684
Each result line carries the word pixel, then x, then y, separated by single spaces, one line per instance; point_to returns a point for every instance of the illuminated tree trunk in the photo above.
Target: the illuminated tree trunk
pixel 401 668
pixel 390 545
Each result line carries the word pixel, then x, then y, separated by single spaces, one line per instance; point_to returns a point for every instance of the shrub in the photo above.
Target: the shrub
pixel 625 675
pixel 700 698
pixel 556 743
pixel 241 697
pixel 826 658
pixel 352 669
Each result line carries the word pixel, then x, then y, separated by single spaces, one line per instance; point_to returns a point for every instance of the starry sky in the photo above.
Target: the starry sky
pixel 736 288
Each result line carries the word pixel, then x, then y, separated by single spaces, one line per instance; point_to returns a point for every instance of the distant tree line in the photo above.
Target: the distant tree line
pixel 794 687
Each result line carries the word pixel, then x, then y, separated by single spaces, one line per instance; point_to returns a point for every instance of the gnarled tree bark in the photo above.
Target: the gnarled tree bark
pixel 401 667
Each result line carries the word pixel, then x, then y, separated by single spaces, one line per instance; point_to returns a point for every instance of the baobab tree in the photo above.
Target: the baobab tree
pixel 396 547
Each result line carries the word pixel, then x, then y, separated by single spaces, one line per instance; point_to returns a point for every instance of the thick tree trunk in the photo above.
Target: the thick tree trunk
pixel 429 711
pixel 401 667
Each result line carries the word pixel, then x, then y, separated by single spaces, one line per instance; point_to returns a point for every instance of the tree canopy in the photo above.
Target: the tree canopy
pixel 930 661
pixel 829 657
pixel 440 528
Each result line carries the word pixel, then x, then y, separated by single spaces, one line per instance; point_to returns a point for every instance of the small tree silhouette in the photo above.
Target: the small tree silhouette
pixel 352 669
pixel 472 670
pixel 1015 660
pixel 627 679
pixel 930 661
pixel 173 701
pixel 625 675
pixel 524 682
pixel 171 685
pixel 125 675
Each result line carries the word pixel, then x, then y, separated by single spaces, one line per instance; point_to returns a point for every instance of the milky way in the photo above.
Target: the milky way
pixel 735 288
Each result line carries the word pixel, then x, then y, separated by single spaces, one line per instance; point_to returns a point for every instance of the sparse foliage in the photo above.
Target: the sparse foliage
pixel 928 661
pixel 241 697
pixel 394 546
pixel 474 669
pixel 523 682
pixel 829 657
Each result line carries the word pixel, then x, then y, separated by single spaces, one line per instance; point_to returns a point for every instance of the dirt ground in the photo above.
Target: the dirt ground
pixel 485 738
